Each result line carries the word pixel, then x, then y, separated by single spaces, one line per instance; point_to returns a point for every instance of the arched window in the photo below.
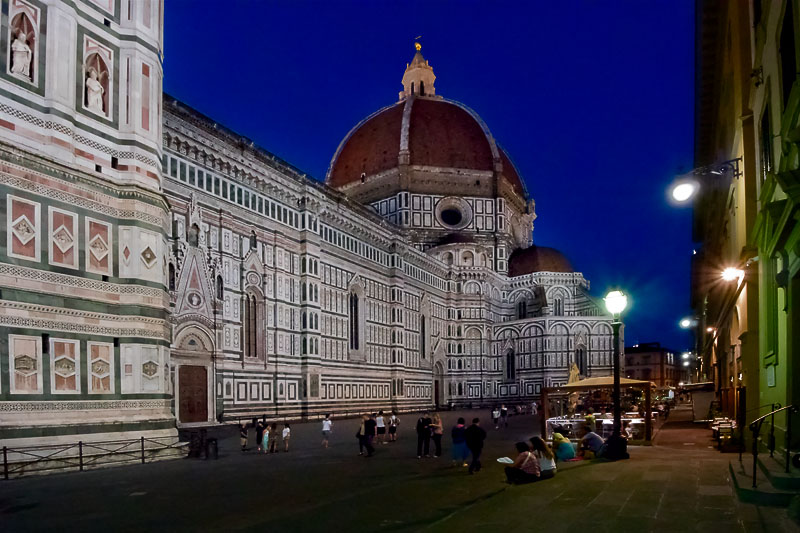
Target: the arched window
pixel 171 276
pixel 460 366
pixel 422 336
pixel 511 365
pixel 305 346
pixel 412 87
pixel 253 240
pixel 421 88
pixel 250 320
pixel 220 288
pixel 582 361
pixel 354 317
pixel 522 309
pixel 558 307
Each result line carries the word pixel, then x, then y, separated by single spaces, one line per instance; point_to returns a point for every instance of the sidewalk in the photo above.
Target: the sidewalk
pixel 680 484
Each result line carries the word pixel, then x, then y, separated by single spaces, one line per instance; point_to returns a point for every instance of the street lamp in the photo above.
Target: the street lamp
pixel 685 188
pixel 616 302
pixel 687 322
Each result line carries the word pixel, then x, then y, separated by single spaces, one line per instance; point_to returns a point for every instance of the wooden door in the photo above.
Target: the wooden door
pixel 193 394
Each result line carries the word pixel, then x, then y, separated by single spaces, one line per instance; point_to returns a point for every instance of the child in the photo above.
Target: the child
pixel 327 424
pixel 287 432
pixel 243 436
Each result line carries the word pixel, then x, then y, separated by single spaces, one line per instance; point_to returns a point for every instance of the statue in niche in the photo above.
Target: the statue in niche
pixel 94 93
pixel 21 55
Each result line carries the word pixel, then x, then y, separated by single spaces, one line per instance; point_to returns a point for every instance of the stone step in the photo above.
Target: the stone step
pixel 776 473
pixel 765 492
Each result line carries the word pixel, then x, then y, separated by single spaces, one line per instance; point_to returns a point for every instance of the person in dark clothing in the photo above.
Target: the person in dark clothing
pixel 259 434
pixel 369 434
pixel 504 415
pixel 423 435
pixel 474 436
pixel 243 436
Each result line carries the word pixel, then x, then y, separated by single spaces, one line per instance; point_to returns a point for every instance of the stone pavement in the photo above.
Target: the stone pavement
pixel 678 485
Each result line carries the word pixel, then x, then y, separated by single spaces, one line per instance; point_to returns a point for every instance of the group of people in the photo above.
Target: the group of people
pixel 535 461
pixel 373 428
pixel 267 436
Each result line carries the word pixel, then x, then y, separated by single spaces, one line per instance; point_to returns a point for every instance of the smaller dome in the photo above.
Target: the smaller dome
pixel 537 259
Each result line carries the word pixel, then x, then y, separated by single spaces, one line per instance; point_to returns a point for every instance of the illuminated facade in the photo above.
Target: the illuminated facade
pixel 158 268
pixel 381 288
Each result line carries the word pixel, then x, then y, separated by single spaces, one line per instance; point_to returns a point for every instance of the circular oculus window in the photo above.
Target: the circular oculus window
pixel 454 213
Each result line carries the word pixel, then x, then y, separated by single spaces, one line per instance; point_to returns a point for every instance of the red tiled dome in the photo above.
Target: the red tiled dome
pixel 537 259
pixel 440 133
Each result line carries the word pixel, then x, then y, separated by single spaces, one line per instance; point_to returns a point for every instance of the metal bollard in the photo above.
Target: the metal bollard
pixel 80 455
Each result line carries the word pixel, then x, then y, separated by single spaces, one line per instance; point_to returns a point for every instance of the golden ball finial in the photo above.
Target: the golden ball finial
pixel 418 46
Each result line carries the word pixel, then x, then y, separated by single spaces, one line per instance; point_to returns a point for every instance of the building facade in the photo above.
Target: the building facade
pixel 85 331
pixel 160 269
pixel 748 110
pixel 650 361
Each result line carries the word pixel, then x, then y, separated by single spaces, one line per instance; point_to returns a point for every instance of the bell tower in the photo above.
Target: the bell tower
pixel 418 78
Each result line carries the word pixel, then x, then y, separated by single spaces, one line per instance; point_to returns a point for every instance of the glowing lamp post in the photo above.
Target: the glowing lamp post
pixel 616 302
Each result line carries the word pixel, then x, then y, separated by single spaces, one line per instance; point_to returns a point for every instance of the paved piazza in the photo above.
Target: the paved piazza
pixel 668 487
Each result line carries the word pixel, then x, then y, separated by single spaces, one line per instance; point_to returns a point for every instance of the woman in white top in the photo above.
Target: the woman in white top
pixel 547 461
pixel 327 426
pixel 381 426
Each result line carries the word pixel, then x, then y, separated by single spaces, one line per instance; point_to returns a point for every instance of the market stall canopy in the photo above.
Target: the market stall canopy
pixel 602 382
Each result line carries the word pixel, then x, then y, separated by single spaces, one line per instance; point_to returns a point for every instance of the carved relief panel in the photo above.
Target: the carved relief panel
pixel 98 247
pixel 63 230
pixel 25 368
pixel 23 227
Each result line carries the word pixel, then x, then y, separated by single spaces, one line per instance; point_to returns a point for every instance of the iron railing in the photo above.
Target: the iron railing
pixel 755 427
pixel 80 456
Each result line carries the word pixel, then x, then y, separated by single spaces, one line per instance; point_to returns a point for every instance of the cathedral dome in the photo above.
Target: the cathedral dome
pixel 420 136
pixel 537 259
pixel 429 132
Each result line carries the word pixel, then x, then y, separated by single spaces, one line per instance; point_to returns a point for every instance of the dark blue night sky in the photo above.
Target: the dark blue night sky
pixel 593 100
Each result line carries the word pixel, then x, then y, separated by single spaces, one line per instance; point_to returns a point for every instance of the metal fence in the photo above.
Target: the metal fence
pixel 80 456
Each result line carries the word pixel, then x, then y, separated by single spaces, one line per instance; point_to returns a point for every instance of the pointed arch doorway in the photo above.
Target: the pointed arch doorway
pixel 438 385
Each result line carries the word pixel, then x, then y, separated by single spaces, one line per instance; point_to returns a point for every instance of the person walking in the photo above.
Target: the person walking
pixel 243 436
pixel 496 417
pixel 460 452
pixel 394 421
pixel 286 435
pixel 474 437
pixel 327 427
pixel 273 438
pixel 534 408
pixel 360 435
pixel 381 427
pixel 259 434
pixel 423 435
pixel 436 434
pixel 504 415
pixel 265 439
pixel 369 434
